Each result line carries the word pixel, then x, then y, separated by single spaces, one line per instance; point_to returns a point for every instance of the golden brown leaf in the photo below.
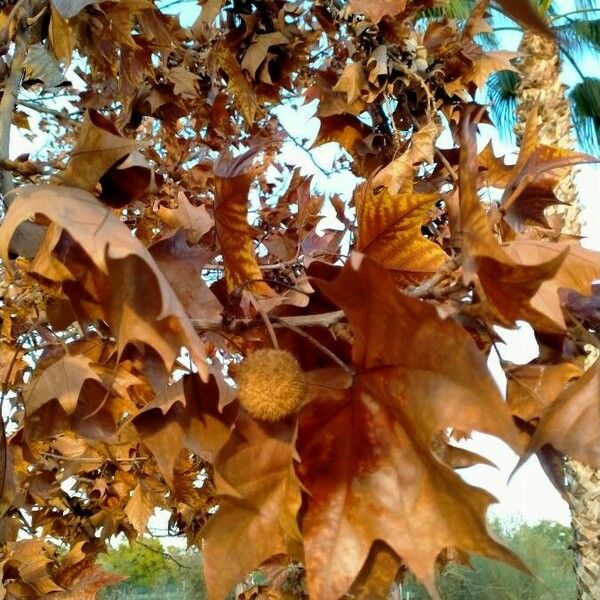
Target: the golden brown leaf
pixel 507 285
pixel 194 219
pixel 572 423
pixel 375 10
pixel 534 387
pixel 99 147
pixel 61 380
pixel 389 231
pixel 366 455
pixel 257 514
pixel 143 307
pixel 185 415
pixel 233 177
pixel 397 176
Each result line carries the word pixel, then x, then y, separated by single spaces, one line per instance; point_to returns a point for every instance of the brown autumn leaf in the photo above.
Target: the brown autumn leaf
pixel 375 10
pixel 99 147
pixel 185 415
pixel 258 53
pixel 29 557
pixel 61 380
pixel 61 37
pixel 139 508
pixel 532 388
pixel 182 265
pixel 82 580
pixel 397 176
pixel 143 307
pixel 578 269
pixel 222 59
pixel 257 516
pixel 389 231
pixel 366 457
pixel 195 220
pixel 352 82
pixel 572 423
pixel 233 177
pixel 535 175
pixel 508 286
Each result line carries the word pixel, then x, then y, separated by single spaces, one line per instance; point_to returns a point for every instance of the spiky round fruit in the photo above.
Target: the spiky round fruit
pixel 270 383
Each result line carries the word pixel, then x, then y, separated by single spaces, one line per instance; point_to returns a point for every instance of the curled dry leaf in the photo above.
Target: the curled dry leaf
pixel 507 286
pixel 233 177
pixel 185 415
pixel 155 316
pixel 572 423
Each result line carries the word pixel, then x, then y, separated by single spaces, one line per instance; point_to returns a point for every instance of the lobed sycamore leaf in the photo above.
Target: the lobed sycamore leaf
pixel 366 457
pixel 258 507
pixel 389 231
pixel 143 308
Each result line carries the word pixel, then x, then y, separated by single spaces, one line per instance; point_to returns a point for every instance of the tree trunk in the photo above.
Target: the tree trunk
pixel 541 84
pixel 540 72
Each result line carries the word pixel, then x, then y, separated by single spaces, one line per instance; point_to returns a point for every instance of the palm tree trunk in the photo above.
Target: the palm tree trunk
pixel 541 84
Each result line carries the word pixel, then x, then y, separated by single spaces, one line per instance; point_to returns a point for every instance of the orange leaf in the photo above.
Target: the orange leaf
pixel 389 231
pixel 233 177
pixel 257 515
pixel 366 455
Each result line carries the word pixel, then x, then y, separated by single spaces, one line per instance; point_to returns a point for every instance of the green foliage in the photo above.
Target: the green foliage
pixel 544 547
pixel 151 569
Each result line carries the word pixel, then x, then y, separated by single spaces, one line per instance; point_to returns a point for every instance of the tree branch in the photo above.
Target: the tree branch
pixel 8 101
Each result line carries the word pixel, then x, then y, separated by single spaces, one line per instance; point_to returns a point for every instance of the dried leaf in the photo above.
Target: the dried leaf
pixel 61 380
pixel 397 175
pixel 375 10
pixel 185 415
pixel 572 423
pixel 233 177
pixel 366 452
pixel 99 147
pixel 389 231
pixel 143 308
pixel 256 519
pixel 139 508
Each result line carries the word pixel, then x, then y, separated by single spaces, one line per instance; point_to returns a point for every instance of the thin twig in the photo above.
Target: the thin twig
pixel 39 107
pixel 83 459
pixel 336 359
pixel 163 554
pixel 426 288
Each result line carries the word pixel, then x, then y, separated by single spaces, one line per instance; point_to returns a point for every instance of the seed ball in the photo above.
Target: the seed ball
pixel 270 384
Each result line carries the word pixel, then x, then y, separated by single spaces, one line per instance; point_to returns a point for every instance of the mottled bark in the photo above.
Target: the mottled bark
pixel 541 84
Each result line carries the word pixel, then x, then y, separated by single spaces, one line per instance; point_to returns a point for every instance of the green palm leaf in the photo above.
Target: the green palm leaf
pixel 585 98
pixel 502 95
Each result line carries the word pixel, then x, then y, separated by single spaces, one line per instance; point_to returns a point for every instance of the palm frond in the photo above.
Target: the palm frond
pixel 502 95
pixel 585 108
pixel 451 9
pixel 586 4
pixel 580 35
